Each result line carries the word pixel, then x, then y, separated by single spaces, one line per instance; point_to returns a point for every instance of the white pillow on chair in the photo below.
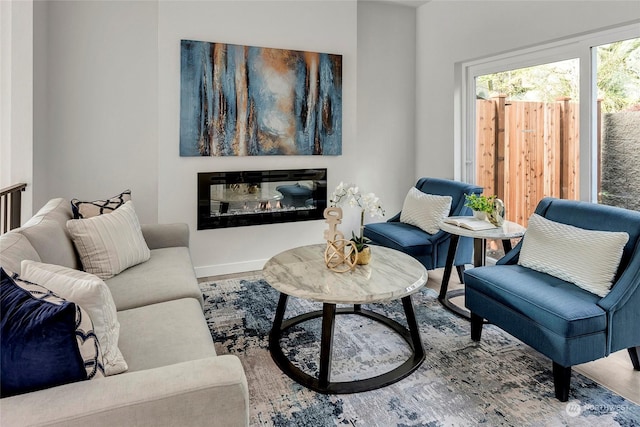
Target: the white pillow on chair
pixel 425 211
pixel 587 258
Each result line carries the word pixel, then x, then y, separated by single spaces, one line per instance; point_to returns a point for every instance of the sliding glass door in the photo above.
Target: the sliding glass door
pixel 560 120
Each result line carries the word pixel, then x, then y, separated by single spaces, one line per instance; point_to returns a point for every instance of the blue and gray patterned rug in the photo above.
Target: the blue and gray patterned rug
pixel 498 382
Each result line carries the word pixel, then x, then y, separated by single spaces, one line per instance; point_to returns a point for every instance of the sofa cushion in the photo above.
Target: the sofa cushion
pixel 14 247
pixel 163 334
pixel 90 293
pixel 46 341
pixel 55 209
pixel 551 302
pixel 167 275
pixel 587 258
pixel 47 233
pixel 98 207
pixel 400 236
pixel 425 211
pixel 109 244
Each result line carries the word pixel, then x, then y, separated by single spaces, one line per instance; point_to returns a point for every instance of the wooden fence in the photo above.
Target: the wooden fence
pixel 526 151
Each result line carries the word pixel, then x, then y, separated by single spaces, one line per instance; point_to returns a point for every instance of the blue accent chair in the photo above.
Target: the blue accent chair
pixel 429 249
pixel 560 320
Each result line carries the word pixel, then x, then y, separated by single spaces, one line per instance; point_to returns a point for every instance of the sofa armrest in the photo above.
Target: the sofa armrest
pixel 160 236
pixel 211 391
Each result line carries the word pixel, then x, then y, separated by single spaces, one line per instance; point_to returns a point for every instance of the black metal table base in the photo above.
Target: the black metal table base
pixel 323 383
pixel 479 259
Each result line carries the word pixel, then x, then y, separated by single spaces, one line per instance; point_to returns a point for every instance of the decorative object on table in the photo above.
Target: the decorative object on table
pixel 469 222
pixel 256 101
pixel 341 254
pixel 362 255
pixel 367 203
pixel 479 204
pixel 496 216
pixel 486 207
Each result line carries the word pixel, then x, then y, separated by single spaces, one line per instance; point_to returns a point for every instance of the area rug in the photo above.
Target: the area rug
pixel 497 382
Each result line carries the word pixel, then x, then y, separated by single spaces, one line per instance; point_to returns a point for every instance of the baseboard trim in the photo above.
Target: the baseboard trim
pixel 231 268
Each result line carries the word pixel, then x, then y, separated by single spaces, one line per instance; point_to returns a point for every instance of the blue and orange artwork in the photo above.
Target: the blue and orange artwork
pixel 255 101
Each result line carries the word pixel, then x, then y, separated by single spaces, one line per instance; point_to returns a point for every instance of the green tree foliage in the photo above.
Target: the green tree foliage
pixel 618 79
pixel 619 75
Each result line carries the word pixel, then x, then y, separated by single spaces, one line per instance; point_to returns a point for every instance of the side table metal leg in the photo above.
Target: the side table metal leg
pixel 326 344
pixel 479 252
pixel 451 255
pixel 506 245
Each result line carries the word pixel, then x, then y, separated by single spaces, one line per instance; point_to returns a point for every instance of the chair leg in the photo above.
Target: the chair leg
pixel 476 327
pixel 460 269
pixel 633 353
pixel 561 381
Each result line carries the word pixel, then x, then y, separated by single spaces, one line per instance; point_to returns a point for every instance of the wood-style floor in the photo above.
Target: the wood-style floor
pixel 614 372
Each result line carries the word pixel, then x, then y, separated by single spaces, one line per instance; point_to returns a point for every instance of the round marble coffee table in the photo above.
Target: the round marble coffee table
pixel 302 273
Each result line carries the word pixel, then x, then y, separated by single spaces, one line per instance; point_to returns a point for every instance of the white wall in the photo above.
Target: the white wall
pixel 111 89
pixel 386 99
pixel 107 90
pixel 450 32
pixel 307 25
pixel 98 133
pixel 16 98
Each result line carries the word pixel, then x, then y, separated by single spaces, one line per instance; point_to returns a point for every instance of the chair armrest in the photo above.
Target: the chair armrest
pixel 622 306
pixel 511 257
pixel 395 218
pixel 160 236
pixel 211 391
pixel 625 287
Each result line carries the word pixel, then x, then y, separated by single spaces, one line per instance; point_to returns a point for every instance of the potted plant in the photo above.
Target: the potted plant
pixel 364 252
pixel 480 205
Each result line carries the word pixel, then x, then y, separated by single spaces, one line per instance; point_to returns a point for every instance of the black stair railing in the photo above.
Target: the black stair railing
pixel 10 207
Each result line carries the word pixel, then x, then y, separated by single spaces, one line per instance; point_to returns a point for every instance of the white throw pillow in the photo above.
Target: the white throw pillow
pixel 425 211
pixel 587 258
pixel 90 293
pixel 109 244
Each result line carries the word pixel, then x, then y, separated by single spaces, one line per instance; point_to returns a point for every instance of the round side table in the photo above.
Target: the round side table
pixel 509 230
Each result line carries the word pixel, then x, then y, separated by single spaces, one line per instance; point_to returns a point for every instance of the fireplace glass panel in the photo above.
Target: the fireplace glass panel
pixel 235 199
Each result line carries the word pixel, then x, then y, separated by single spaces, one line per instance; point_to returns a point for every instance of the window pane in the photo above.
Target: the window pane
pixel 618 82
pixel 527 137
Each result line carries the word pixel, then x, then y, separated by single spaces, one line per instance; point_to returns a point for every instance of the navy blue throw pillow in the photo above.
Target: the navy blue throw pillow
pixel 38 338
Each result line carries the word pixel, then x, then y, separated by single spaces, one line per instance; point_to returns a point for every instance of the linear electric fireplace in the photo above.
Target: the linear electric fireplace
pixel 236 199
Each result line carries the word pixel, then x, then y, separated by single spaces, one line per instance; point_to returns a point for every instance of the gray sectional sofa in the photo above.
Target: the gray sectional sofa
pixel 174 375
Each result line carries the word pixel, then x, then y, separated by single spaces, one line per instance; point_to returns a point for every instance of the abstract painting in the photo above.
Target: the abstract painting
pixel 255 101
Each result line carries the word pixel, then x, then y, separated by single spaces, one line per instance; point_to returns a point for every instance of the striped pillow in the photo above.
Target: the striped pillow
pixel 109 244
